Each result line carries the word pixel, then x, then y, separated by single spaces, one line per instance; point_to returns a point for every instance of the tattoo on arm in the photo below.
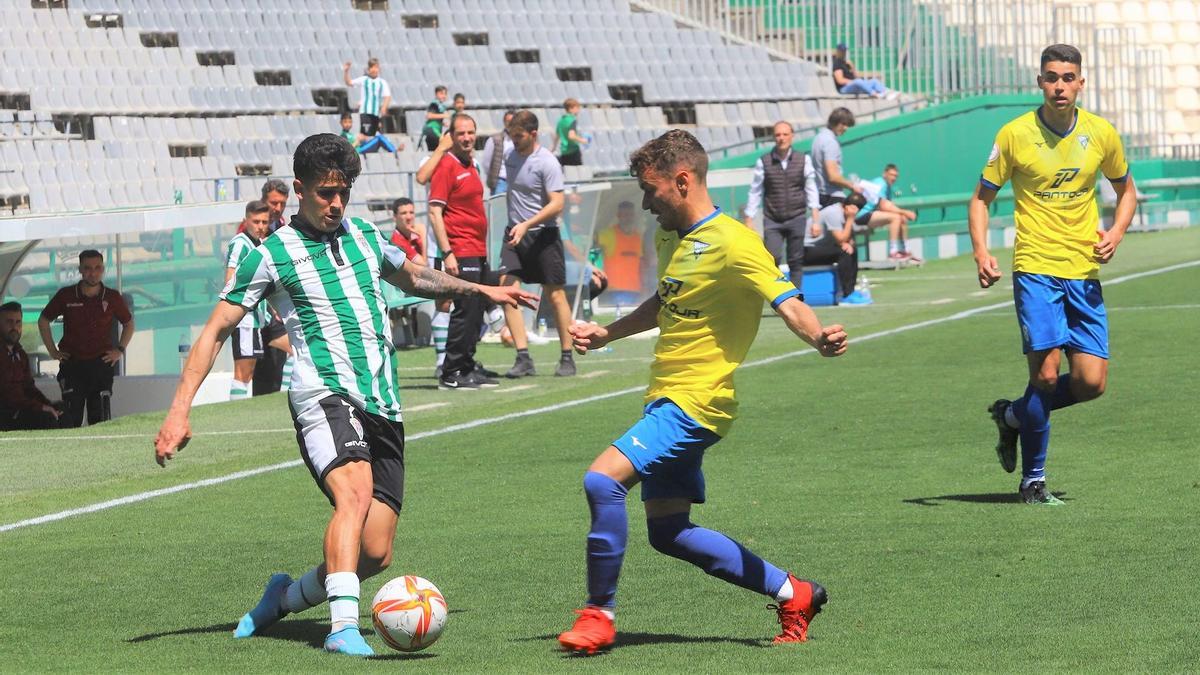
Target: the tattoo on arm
pixel 430 283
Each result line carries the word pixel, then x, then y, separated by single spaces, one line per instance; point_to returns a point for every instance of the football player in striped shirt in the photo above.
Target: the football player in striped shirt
pixel 323 276
pixel 247 337
pixel 1053 155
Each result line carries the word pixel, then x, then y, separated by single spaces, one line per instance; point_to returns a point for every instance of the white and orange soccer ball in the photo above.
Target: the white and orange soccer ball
pixel 409 613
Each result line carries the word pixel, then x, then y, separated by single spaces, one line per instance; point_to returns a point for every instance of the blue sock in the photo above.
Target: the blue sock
pixel 1033 411
pixel 606 540
pixel 1062 396
pixel 714 553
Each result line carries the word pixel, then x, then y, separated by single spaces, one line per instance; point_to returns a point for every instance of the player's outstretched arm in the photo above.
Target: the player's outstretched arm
pixel 1122 217
pixel 175 431
pixel 977 222
pixel 799 317
pixel 587 336
pixel 427 282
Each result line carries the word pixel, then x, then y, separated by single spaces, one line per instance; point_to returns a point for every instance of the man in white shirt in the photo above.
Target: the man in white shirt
pixel 785 185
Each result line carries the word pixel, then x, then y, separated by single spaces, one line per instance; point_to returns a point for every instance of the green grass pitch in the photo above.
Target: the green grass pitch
pixel 873 473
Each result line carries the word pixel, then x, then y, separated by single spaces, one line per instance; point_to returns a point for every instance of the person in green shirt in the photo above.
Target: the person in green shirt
pixel 435 117
pixel 348 129
pixel 570 142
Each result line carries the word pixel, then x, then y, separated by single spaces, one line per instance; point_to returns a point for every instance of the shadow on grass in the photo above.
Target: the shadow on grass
pixel 308 631
pixel 985 498
pixel 637 639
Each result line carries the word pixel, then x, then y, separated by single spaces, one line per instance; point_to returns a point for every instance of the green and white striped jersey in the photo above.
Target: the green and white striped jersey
pixel 372 91
pixel 327 289
pixel 239 247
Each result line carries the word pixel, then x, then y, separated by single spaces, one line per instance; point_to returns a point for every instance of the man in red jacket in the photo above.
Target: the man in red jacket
pixel 86 352
pixel 22 404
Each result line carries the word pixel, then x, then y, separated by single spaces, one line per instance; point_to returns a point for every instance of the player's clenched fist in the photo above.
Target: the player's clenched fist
pixel 172 437
pixel 585 336
pixel 833 341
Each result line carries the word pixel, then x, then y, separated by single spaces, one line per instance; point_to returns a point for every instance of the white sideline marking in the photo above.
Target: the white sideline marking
pixel 143 496
pixel 519 387
pixel 595 373
pixel 942 301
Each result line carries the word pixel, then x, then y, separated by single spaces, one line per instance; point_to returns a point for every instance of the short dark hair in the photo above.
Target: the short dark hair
pixel 440 87
pixel 840 116
pixel 891 167
pixel 669 151
pixel 462 116
pixel 460 95
pixel 509 113
pixel 256 206
pixel 275 185
pixel 346 116
pixel 400 201
pixel 1063 53
pixel 11 306
pixel 322 154
pixel 856 199
pixel 90 253
pixel 526 120
pixel 373 61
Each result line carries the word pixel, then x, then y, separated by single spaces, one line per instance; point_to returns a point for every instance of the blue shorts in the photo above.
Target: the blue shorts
pixel 667 447
pixel 1055 312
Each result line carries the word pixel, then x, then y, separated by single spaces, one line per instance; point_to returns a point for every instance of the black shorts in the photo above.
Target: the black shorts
pixel 573 158
pixel 368 125
pixel 247 342
pixel 333 431
pixel 273 331
pixel 863 218
pixel 538 259
pixel 431 138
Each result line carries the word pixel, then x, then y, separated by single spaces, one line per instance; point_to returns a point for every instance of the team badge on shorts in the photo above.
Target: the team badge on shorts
pixel 356 426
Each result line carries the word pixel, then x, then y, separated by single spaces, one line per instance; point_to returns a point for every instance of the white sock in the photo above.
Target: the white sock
pixel 238 390
pixel 1010 419
pixel 439 326
pixel 894 246
pixel 307 592
pixel 785 592
pixel 342 589
pixel 1026 481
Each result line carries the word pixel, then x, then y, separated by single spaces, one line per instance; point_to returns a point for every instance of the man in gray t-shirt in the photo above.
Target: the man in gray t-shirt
pixel 533 247
pixel 827 158
pixel 834 244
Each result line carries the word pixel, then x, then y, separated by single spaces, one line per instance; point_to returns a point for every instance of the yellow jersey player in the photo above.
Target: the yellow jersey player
pixel 1053 155
pixel 714 274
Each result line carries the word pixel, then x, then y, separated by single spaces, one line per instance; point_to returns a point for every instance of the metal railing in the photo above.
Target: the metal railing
pixel 943 47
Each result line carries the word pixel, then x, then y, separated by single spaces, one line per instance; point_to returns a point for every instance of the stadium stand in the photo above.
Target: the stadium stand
pixel 113 103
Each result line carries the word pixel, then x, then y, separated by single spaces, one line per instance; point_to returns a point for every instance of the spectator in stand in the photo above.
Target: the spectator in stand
pixel 492 161
pixel 86 354
pixel 246 341
pixel 785 185
pixel 273 370
pixel 459 106
pixel 348 133
pixel 623 245
pixel 849 82
pixel 435 117
pixel 460 226
pixel 881 211
pixel 827 158
pixel 570 142
pixel 831 240
pixel 22 404
pixel 374 97
pixel 533 249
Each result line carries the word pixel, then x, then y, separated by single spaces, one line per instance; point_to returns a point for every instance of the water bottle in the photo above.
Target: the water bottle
pixel 185 348
pixel 178 196
pixel 864 288
pixel 221 190
pixel 541 330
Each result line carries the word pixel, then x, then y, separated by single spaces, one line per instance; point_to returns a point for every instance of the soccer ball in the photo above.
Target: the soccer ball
pixel 409 613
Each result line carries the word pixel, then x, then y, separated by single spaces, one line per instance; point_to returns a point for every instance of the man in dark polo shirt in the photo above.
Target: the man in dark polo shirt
pixel 460 225
pixel 86 353
pixel 22 404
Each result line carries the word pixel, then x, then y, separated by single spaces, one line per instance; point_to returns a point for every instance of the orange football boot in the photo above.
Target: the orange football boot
pixel 593 631
pixel 797 613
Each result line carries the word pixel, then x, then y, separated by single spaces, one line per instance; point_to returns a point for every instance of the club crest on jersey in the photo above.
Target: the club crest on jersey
pixel 698 247
pixel 1083 142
